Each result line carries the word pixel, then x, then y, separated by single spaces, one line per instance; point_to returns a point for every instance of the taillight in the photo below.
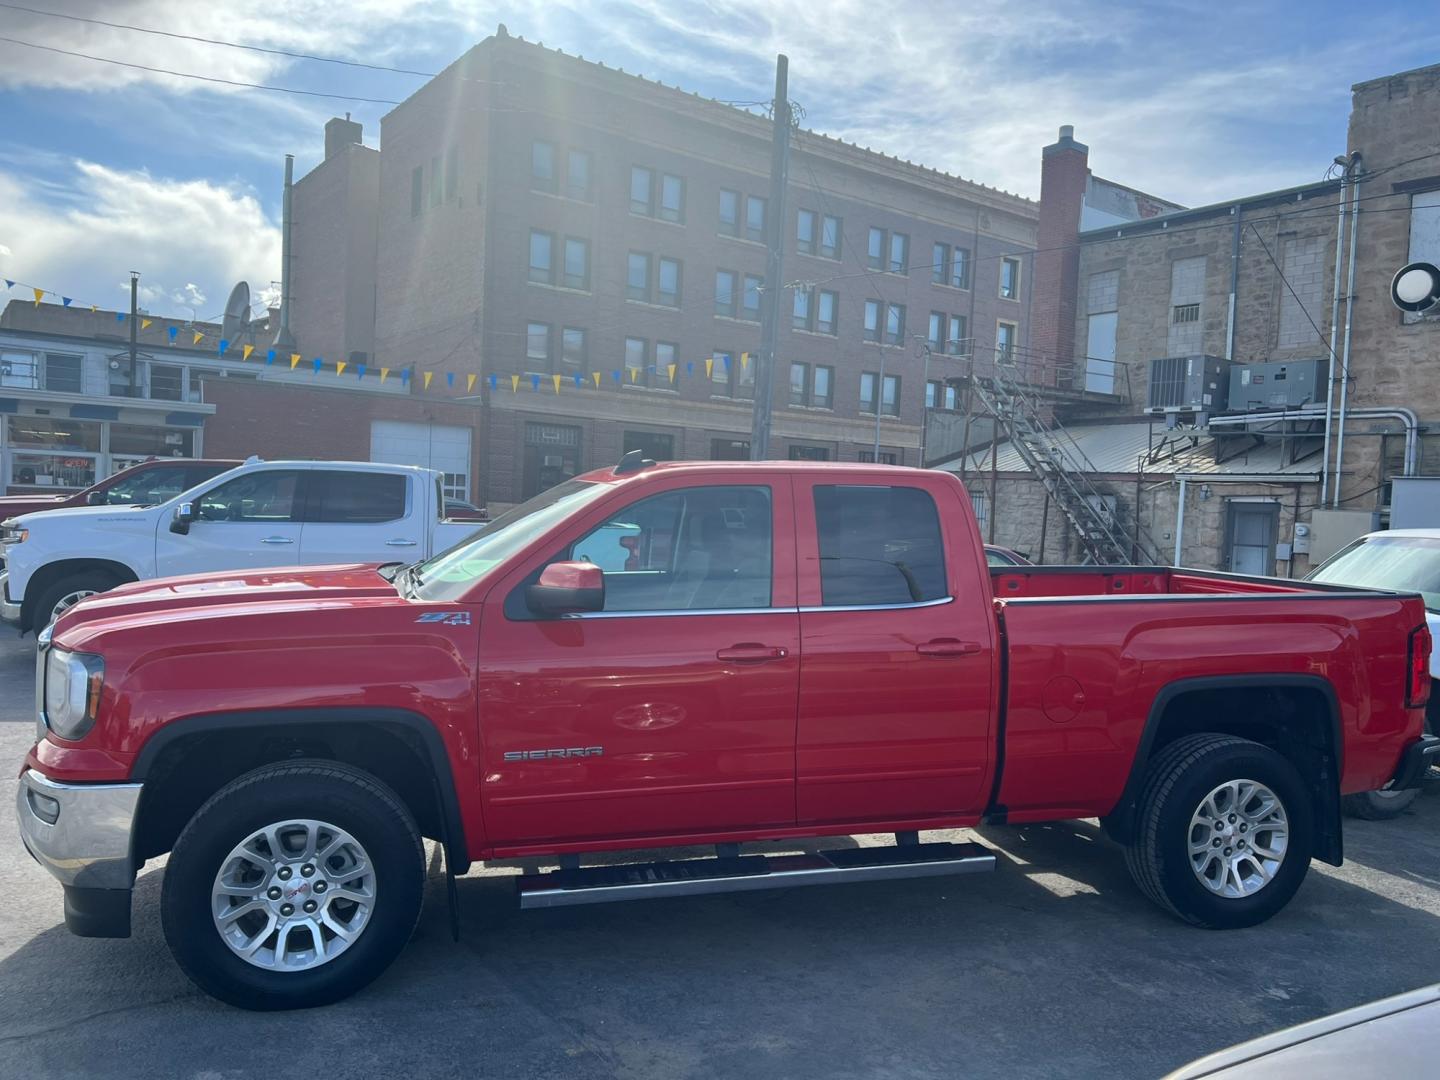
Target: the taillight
pixel 1417 685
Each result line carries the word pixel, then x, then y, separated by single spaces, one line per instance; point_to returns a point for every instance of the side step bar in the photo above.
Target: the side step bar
pixel 693 877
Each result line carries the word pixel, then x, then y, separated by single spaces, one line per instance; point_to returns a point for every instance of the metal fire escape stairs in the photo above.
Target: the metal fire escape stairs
pixel 1100 519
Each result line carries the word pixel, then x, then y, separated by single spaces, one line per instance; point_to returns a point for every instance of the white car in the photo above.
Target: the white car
pixel 260 514
pixel 1407 560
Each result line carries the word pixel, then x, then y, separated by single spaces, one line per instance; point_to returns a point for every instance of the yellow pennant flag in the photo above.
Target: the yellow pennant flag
pixel 556 380
pixel 197 338
pixel 469 382
pixel 514 384
pixel 340 367
pixel 428 376
pixel 744 360
pixel 246 352
pixel 145 324
pixel 38 294
pixel 595 375
pixel 384 374
pixel 93 309
pixel 294 359
pixel 709 366
pixel 671 369
pixel 634 374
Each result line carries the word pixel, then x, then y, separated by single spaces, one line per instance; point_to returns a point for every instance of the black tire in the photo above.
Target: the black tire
pixel 1379 805
pixel 1177 781
pixel 86 580
pixel 323 790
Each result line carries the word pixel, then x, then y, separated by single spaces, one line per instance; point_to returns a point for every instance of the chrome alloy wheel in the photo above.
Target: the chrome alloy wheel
pixel 293 895
pixel 1238 837
pixel 69 600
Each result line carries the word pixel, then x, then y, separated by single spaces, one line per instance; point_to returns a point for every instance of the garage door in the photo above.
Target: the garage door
pixel 432 446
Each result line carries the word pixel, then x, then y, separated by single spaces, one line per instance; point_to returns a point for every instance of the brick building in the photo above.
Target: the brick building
pixel 538 215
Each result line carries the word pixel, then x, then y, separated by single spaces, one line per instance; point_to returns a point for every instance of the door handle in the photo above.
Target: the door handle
pixel 397 542
pixel 948 647
pixel 751 652
pixel 277 540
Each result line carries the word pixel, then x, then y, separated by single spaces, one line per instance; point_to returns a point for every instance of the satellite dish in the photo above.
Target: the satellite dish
pixel 237 313
pixel 1416 287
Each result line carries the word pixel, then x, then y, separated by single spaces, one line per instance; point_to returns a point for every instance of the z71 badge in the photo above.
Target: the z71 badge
pixel 449 618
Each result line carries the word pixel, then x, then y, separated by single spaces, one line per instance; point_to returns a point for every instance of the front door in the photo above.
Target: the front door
pixel 1251 532
pixel 672 711
pixel 249 522
pixel 898 661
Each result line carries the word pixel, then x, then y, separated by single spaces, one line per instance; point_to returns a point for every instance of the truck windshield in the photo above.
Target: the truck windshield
pixel 1402 563
pixel 449 575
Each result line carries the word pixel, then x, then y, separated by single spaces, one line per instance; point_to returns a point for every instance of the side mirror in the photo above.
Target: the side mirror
pixel 184 515
pixel 565 588
pixel 95 498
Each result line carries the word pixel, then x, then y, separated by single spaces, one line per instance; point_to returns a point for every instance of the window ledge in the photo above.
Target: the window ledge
pixel 737 319
pixel 742 240
pixel 822 334
pixel 649 389
pixel 812 408
pixel 951 288
pixel 658 220
pixel 651 304
pixel 558 288
pixel 558 197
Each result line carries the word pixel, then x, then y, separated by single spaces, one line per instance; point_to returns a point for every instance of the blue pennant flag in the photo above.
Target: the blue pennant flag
pixel 493 380
pixel 119 316
pixel 534 382
pixel 65 301
pixel 450 379
pixel 269 356
pixel 405 375
pixel 359 371
pixel 318 363
pixel 689 367
pixel 615 375
pixel 579 381
pixel 224 344
pixel 175 330
pixel 726 358
pixel 9 284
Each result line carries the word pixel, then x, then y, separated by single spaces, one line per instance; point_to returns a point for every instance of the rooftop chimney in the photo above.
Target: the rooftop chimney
pixel 341 133
pixel 1064 174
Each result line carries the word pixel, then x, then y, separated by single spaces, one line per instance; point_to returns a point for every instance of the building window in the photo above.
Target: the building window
pixel 552 456
pixel 668 279
pixel 667 355
pixel 642 191
pixel 822 387
pixel 417 190
pixel 899 254
pixel 895 324
pixel 637 276
pixel 830 232
pixel 935 337
pixel 577 263
pixel 868 379
pixel 811 386
pixel 754 285
pixel 19 370
pixel 167 382
pixel 875 249
pixel 805 232
pixel 537 346
pixel 725 292
pixel 887 457
pixel 960 268
pixel 542 167
pixel 799 384
pixel 452 173
pixel 1005 341
pixel 957 344
pixel 872 320
pixel 977 503
pixel 826 314
pixel 573 349
pixel 1185 313
pixel 542 265
pixel 729 450
pixel 731 376
pixel 754 218
pixel 64 373
pixel 809 453
pixel 637 353
pixel 729 213
pixel 652 444
pixel 577 175
pixel 940 264
pixel 672 198
pixel 890 396
pixel 1010 279
pixel 938 395
pixel 800 310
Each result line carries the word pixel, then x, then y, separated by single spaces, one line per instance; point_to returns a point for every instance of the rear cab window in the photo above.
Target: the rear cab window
pixel 354 497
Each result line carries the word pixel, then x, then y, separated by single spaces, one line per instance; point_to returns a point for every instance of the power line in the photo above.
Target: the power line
pixel 1292 291
pixel 201 78
pixel 218 41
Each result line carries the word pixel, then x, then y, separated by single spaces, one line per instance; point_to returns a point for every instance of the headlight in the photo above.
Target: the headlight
pixel 72 692
pixel 11 533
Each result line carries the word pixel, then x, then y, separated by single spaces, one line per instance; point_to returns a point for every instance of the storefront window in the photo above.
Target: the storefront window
pixel 54 433
pixel 140 442
pixel 52 470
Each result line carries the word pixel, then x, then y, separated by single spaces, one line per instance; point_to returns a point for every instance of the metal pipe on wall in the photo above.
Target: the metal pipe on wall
pixel 1179 522
pixel 1355 161
pixel 1234 284
pixel 1334 342
pixel 1394 412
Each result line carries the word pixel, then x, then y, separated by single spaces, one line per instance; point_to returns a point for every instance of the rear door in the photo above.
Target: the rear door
pixel 250 521
pixel 897 673
pixel 356 515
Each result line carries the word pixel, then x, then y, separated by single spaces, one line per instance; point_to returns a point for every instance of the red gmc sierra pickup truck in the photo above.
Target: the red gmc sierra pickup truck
pixel 691 654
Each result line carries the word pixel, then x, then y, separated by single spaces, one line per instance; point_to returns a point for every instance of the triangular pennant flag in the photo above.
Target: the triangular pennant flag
pixel 38 294
pixel 615 375
pixel 384 374
pixel 450 379
pixel 359 371
pixel 340 367
pixel 144 323
pixel 556 380
pixel 634 374
pixel 294 359
pixel 725 359
pixel 494 379
pixel 119 315
pixel 596 376
pixel 428 376
pixel 579 381
pixel 246 352
pixel 197 338
pixel 93 309
pixel 224 344
pixel 534 382
pixel 270 357
pixel 709 366
pixel 317 364
pixel 689 367
pixel 405 376
pixel 9 284
pixel 470 382
pixel 65 301
pixel 514 384
pixel 174 332
pixel 671 369
pixel 744 361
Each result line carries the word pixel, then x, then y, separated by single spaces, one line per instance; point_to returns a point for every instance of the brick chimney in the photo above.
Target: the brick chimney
pixel 341 133
pixel 1064 170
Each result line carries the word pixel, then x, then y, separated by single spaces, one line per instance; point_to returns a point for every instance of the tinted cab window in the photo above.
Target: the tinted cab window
pixel 879 545
pixel 149 486
pixel 356 497
pixel 258 496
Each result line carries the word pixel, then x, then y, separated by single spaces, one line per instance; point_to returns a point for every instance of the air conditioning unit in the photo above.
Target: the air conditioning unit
pixel 1188 384
pixel 1289 385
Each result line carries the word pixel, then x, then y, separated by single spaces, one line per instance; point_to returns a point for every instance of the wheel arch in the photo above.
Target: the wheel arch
pixel 1302 705
pixel 188 760
pixel 46 576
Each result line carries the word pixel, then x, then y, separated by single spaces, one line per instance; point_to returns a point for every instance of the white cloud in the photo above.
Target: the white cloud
pixel 189 239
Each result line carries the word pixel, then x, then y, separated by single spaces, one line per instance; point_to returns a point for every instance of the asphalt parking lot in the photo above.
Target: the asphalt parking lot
pixel 1053 966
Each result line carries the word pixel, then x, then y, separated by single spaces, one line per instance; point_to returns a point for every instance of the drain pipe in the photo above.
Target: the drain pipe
pixel 1390 412
pixel 1179 523
pixel 1238 211
pixel 1355 161
pixel 1334 344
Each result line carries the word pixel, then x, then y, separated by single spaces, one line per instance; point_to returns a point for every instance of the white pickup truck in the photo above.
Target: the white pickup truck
pixel 260 514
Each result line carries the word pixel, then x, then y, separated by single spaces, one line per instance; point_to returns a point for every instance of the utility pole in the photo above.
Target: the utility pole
pixel 134 324
pixel 770 311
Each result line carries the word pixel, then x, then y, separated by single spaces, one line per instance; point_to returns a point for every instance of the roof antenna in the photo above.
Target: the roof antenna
pixel 633 461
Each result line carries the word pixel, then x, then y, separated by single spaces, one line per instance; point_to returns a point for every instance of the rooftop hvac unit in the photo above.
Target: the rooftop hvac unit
pixel 1289 385
pixel 1188 384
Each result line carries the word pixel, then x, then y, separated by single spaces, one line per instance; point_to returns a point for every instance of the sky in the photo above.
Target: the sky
pixel 107 169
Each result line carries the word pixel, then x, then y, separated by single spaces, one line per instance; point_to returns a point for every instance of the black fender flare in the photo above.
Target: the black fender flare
pixel 456 853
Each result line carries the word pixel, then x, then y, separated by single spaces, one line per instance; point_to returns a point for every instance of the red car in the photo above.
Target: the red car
pixel 692 653
pixel 148 481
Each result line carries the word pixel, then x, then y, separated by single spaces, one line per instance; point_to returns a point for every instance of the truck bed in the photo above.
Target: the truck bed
pixel 1020 582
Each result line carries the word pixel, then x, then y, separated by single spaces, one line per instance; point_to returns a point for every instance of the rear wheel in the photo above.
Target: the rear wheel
pixel 1379 805
pixel 1224 832
pixel 295 885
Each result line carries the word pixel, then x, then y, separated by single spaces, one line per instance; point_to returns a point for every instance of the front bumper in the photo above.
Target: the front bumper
pixel 82 834
pixel 1417 759
pixel 9 609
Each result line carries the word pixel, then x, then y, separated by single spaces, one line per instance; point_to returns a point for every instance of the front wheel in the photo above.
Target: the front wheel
pixel 293 886
pixel 1224 832
pixel 68 592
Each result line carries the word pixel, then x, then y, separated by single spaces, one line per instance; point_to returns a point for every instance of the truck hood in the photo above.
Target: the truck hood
pixel 29 504
pixel 84 517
